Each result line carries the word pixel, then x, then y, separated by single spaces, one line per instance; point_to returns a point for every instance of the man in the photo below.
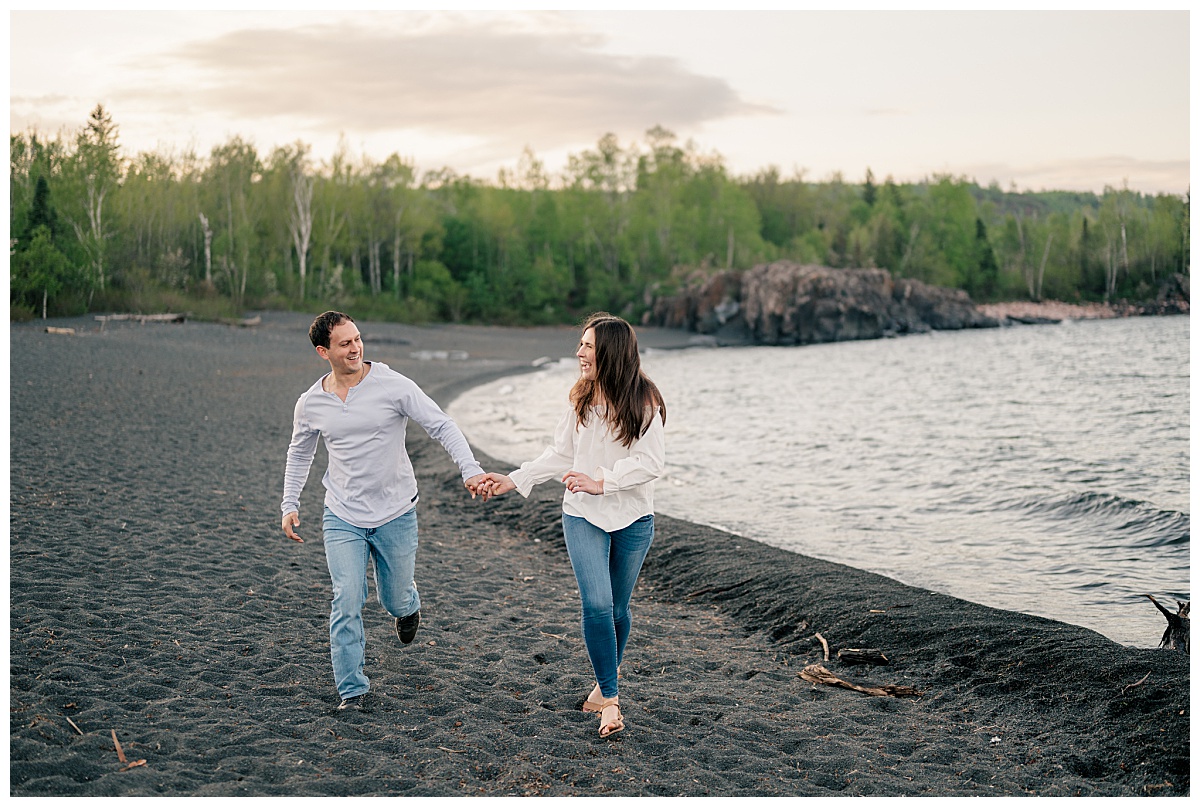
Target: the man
pixel 361 409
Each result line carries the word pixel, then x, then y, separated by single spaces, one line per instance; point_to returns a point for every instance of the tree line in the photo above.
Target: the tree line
pixel 94 229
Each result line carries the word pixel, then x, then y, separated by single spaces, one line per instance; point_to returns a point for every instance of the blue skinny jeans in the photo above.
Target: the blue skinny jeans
pixel 393 547
pixel 606 567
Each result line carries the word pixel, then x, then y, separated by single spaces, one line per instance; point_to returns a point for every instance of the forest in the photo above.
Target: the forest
pixel 94 229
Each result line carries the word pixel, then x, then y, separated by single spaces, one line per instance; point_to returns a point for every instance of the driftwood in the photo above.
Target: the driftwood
pixel 1137 683
pixel 142 318
pixel 121 755
pixel 824 644
pixel 1179 626
pixel 853 655
pixel 819 675
pixel 245 322
pixel 63 331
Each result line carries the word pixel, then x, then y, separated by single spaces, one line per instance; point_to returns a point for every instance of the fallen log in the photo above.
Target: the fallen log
pixel 64 331
pixel 141 318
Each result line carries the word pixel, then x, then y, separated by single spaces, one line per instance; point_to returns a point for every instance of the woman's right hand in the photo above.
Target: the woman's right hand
pixel 494 484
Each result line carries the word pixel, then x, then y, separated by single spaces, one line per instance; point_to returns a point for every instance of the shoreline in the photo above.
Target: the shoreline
pixel 1056 311
pixel 152 595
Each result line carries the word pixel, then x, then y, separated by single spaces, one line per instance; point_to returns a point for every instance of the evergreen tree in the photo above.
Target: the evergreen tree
pixel 40 272
pixel 869 190
pixel 987 275
pixel 41 213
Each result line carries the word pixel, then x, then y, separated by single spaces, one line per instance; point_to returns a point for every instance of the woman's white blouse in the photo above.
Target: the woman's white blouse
pixel 628 474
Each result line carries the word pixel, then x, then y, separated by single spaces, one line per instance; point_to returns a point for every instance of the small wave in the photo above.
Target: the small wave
pixel 1141 522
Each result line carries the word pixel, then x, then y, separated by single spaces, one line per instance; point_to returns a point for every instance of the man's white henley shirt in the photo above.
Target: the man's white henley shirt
pixel 369 480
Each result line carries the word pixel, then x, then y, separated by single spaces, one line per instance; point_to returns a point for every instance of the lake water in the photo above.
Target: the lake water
pixel 1041 469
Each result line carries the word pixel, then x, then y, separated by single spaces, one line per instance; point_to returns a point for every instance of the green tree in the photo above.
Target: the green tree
pixel 986 276
pixel 293 187
pixel 891 231
pixel 41 212
pixel 40 272
pixel 869 192
pixel 232 171
pixel 601 182
pixel 95 171
pixel 946 218
pixel 787 208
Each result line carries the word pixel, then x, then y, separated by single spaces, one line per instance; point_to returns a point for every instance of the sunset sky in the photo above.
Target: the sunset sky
pixel 1073 100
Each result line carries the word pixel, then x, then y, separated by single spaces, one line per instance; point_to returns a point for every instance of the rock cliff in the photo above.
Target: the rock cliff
pixel 786 303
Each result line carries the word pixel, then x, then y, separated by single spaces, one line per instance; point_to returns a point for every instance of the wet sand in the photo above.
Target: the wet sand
pixel 153 595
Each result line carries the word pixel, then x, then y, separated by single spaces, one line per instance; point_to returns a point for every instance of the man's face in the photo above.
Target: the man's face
pixel 345 351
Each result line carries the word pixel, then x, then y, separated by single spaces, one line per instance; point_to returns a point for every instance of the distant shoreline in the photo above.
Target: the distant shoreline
pixel 1048 310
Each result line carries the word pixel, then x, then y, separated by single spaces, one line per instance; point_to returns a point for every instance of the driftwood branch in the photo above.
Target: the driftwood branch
pixel 120 750
pixel 1179 626
pixel 1145 678
pixel 853 655
pixel 825 645
pixel 121 755
pixel 819 675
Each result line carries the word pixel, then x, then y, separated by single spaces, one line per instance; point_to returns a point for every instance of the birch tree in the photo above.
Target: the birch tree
pixel 232 170
pixel 97 172
pixel 300 212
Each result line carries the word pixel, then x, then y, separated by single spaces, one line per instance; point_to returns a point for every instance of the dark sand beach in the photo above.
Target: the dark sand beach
pixel 152 594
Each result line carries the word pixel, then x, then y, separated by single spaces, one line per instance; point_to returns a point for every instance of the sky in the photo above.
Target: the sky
pixel 1032 100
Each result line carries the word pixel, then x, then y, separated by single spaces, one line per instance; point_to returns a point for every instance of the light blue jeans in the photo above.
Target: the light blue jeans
pixel 393 547
pixel 606 567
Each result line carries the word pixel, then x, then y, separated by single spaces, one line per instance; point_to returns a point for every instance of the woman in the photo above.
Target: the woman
pixel 608 450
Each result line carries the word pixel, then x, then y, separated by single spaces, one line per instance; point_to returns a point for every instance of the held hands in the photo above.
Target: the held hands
pixel 488 485
pixel 495 484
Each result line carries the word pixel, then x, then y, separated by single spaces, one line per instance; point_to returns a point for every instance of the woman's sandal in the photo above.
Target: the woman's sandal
pixel 590 704
pixel 612 725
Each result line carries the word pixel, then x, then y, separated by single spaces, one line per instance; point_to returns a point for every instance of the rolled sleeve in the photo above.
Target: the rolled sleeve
pixel 645 463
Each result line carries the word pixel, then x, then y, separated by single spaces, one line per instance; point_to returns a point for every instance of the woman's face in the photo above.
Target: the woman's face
pixel 587 354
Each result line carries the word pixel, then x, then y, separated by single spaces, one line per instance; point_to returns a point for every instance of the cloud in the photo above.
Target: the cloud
pixel 47 114
pixel 497 86
pixel 1096 173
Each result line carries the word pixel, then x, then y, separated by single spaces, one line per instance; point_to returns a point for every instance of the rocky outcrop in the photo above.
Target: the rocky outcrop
pixel 706 302
pixel 1174 296
pixel 786 303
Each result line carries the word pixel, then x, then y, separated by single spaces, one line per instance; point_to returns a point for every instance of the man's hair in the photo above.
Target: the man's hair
pixel 324 324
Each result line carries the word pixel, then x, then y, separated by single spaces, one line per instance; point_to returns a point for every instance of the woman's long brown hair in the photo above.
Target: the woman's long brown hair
pixel 630 396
